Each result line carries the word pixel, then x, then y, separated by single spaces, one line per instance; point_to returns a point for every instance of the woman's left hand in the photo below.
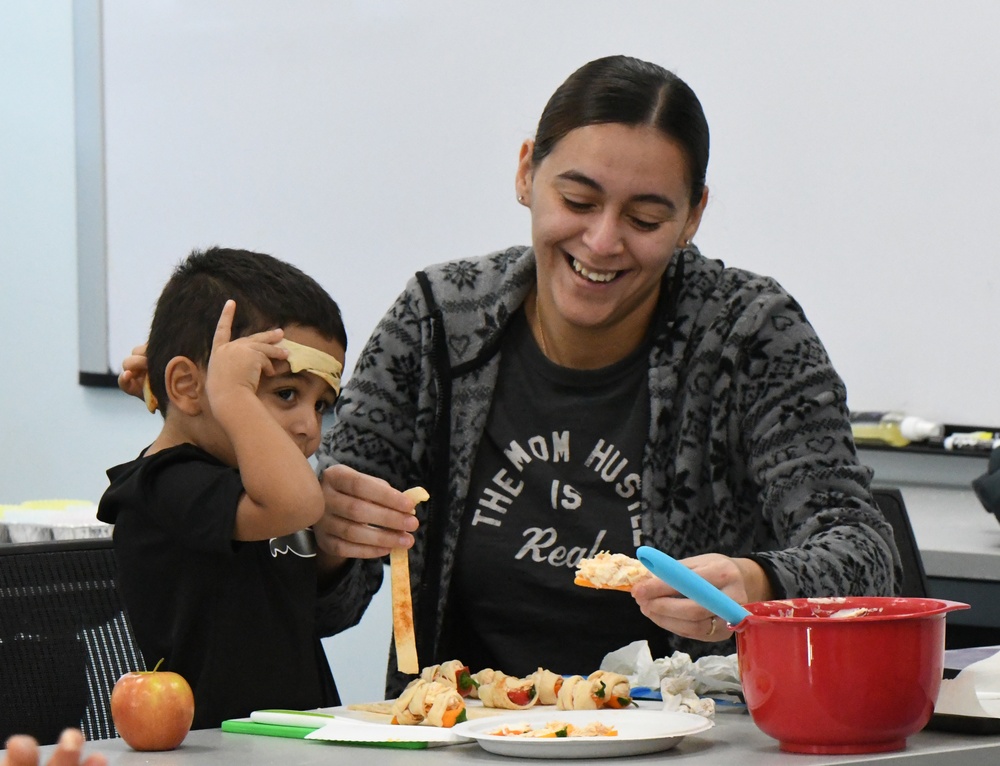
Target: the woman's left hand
pixel 741 579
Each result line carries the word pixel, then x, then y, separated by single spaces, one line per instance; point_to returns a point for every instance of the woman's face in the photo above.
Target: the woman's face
pixel 609 206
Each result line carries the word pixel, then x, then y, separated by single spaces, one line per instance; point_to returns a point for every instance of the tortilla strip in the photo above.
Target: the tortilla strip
pixel 319 363
pixel 402 600
pixel 148 396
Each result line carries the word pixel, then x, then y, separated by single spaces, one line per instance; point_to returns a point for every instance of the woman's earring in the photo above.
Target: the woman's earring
pixel 520 198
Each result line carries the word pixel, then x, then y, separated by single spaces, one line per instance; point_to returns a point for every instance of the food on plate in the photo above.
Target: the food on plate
pixel 556 729
pixel 547 684
pixel 612 688
pixel 428 703
pixel 610 571
pixel 508 692
pixel 599 690
pixel 402 599
pixel 454 674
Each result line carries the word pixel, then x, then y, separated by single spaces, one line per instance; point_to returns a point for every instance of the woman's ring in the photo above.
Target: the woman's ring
pixel 711 632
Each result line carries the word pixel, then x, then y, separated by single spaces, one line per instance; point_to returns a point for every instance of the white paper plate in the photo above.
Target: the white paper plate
pixel 639 731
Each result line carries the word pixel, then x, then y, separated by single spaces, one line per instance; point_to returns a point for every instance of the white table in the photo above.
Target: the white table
pixel 734 740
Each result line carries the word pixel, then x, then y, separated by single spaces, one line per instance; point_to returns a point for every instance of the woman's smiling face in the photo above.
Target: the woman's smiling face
pixel 609 207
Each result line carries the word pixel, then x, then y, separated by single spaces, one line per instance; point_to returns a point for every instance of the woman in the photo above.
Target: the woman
pixel 605 388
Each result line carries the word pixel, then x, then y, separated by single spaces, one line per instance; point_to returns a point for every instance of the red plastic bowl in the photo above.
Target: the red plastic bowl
pixel 820 678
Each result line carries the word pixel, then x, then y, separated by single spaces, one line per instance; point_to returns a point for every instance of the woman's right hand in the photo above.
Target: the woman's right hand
pixel 364 517
pixel 133 374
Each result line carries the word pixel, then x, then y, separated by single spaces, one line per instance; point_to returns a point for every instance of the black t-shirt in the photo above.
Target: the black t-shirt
pixel 236 619
pixel 557 478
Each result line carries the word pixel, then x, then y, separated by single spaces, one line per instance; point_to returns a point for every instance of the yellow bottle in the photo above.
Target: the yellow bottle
pixel 893 428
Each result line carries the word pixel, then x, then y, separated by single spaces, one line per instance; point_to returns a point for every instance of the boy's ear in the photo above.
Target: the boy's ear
pixel 184 381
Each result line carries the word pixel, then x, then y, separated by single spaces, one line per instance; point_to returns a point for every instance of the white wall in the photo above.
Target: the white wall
pixel 56 437
pixel 854 154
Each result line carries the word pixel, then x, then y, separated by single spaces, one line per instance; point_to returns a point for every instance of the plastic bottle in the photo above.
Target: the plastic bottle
pixel 896 429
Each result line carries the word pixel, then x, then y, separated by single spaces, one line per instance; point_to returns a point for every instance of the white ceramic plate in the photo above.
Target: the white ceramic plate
pixel 639 731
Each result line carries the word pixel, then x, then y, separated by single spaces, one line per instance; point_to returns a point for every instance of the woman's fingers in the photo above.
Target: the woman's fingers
pixel 672 611
pixel 365 517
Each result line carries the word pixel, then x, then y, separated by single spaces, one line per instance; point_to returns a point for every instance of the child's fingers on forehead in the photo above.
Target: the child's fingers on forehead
pixel 224 328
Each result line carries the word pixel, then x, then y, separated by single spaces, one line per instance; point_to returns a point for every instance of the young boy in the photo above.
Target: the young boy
pixel 217 564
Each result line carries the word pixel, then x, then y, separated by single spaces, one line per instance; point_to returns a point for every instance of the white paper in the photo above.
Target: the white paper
pixel 344 730
pixel 974 692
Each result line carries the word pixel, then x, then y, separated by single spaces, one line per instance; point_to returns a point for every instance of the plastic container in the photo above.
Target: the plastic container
pixel 842 675
pixel 893 428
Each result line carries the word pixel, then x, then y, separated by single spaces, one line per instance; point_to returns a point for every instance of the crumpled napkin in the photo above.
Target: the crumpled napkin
pixel 683 683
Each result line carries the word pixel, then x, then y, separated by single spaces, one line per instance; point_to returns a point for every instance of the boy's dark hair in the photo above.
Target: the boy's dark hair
pixel 268 293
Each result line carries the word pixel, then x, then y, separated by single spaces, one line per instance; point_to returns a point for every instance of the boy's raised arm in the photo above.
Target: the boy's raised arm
pixel 282 495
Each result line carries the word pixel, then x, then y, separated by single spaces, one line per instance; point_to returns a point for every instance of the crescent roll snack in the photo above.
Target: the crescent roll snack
pixel 480 678
pixel 610 571
pixel 612 688
pixel 451 673
pixel 547 684
pixel 577 693
pixel 428 703
pixel 508 692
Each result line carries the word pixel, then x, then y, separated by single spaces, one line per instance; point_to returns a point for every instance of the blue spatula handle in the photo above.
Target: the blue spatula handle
pixel 692 585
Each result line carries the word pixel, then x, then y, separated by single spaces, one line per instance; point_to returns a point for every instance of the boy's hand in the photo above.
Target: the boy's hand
pixel 133 374
pixel 22 750
pixel 238 364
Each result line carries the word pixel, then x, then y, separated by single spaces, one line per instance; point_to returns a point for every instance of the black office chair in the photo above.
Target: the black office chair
pixel 890 501
pixel 65 638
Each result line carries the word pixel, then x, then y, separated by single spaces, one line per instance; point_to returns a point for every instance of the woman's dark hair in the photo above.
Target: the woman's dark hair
pixel 268 293
pixel 628 91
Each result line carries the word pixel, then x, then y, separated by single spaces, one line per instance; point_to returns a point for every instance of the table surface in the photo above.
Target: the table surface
pixel 734 739
pixel 957 538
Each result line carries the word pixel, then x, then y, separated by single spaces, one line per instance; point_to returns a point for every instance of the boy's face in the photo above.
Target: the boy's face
pixel 298 400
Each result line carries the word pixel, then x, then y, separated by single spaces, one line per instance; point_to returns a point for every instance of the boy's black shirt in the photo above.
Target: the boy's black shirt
pixel 236 619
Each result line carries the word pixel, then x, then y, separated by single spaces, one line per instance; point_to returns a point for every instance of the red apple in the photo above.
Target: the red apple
pixel 152 709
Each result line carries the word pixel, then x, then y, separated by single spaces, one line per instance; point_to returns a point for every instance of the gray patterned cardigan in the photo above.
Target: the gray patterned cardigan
pixel 749 450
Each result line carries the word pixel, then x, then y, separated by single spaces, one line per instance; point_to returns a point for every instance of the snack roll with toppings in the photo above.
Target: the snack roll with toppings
pixel 577 693
pixel 428 703
pixel 508 692
pixel 612 688
pixel 480 679
pixel 547 684
pixel 454 674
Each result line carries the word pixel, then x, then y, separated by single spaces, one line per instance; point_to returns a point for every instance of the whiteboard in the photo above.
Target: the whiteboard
pixel 854 156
